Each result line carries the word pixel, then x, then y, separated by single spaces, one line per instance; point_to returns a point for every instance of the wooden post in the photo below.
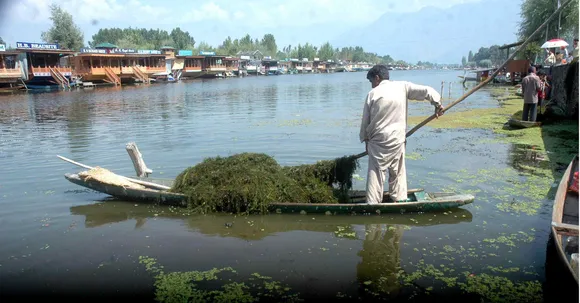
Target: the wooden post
pixel 442 84
pixel 140 167
pixel 450 84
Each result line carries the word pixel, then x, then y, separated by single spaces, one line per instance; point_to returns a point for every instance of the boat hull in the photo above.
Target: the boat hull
pixel 523 124
pixel 420 200
pixel 565 217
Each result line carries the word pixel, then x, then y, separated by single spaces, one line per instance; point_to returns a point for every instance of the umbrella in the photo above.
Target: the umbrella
pixel 554 43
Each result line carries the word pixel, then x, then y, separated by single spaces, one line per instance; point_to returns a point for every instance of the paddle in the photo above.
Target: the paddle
pixel 490 78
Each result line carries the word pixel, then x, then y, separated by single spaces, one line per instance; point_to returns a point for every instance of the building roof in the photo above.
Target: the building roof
pixel 105 45
pixel 167 47
pixel 248 53
pixel 47 51
pixel 9 53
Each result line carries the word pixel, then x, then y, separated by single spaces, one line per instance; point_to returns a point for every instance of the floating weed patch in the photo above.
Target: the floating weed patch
pixel 512 239
pixel 414 156
pixel 195 286
pixel 295 122
pixel 500 289
pixel 490 288
pixel 528 208
pixel 345 232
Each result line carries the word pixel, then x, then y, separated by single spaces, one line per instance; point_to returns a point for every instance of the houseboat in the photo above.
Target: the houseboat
pixel 302 66
pixel 270 66
pixel 213 65
pixel 250 62
pixel 116 65
pixel 232 66
pixel 188 65
pixel 45 65
pixel 10 73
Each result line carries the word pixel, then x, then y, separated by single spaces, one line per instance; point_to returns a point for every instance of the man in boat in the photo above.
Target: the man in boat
pixel 383 129
pixel 531 84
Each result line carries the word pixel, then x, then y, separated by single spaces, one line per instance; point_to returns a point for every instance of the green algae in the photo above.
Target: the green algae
pixel 511 239
pixel 193 286
pixel 414 156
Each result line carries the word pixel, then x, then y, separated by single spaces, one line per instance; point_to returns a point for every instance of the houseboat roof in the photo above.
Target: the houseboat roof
pixel 46 51
pixel 269 60
pixel 231 59
pixel 99 55
pixel 106 45
pixel 144 55
pixel 8 53
pixel 189 57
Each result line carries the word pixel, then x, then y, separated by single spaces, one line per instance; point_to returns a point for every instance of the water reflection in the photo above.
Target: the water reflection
pixel 251 227
pixel 380 263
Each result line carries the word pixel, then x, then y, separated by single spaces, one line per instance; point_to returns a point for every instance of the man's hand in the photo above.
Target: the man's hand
pixel 438 111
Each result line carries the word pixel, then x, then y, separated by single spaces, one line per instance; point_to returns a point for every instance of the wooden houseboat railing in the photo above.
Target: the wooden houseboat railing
pixel 61 69
pixel 10 73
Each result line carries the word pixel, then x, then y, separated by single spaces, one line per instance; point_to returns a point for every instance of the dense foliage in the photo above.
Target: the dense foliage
pixel 63 31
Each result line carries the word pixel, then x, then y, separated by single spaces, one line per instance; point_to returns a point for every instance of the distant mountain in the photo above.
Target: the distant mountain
pixel 438 35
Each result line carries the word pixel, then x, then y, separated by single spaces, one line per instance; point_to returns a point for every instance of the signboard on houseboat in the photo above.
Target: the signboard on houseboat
pixel 2 47
pixel 93 51
pixel 245 57
pixel 28 45
pixel 183 52
pixel 149 52
pixel 123 51
pixel 202 53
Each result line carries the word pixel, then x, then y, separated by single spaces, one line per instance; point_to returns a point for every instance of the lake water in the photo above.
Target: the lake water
pixel 61 239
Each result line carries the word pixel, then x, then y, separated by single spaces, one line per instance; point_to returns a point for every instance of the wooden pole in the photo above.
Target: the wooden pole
pixel 137 159
pixel 482 84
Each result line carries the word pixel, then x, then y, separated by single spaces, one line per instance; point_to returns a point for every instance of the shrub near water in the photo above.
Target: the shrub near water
pixel 249 182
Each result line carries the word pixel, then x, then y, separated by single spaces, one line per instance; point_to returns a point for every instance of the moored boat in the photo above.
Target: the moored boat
pixel 564 226
pixel 523 124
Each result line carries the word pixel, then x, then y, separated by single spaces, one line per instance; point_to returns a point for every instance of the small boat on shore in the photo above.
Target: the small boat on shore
pixel 523 124
pixel 156 191
pixel 565 219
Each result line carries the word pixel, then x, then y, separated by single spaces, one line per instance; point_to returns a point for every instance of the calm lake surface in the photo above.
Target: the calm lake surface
pixel 59 238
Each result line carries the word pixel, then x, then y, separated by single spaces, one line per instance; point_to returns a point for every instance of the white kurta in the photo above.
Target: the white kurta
pixel 383 128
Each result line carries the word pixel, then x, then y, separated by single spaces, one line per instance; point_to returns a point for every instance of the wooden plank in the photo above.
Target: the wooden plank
pixel 565 229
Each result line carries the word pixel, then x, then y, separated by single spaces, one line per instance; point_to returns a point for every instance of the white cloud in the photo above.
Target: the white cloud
pixel 208 11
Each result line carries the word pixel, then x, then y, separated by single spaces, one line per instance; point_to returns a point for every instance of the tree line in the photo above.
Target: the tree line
pixel 533 14
pixel 65 32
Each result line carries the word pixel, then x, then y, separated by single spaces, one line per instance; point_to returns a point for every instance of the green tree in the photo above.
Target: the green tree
pixel 535 12
pixel 63 31
pixel 269 44
pixel 2 41
pixel 463 61
pixel 181 39
pixel 326 52
pixel 470 57
pixel 484 63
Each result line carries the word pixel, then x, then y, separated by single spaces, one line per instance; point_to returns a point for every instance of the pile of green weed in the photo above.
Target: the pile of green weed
pixel 249 182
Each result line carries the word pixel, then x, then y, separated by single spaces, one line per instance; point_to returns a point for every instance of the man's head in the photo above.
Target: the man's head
pixel 531 70
pixel 377 74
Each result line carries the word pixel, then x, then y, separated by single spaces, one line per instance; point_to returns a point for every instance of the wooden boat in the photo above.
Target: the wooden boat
pixel 149 192
pixel 565 219
pixel 523 124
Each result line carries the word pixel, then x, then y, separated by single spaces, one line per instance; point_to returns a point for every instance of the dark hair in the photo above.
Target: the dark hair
pixel 378 70
pixel 541 73
pixel 531 69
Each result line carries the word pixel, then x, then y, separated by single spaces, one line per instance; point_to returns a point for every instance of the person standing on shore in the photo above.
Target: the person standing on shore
pixel 383 130
pixel 530 86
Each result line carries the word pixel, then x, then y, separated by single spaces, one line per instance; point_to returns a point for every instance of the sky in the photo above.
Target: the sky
pixel 290 21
